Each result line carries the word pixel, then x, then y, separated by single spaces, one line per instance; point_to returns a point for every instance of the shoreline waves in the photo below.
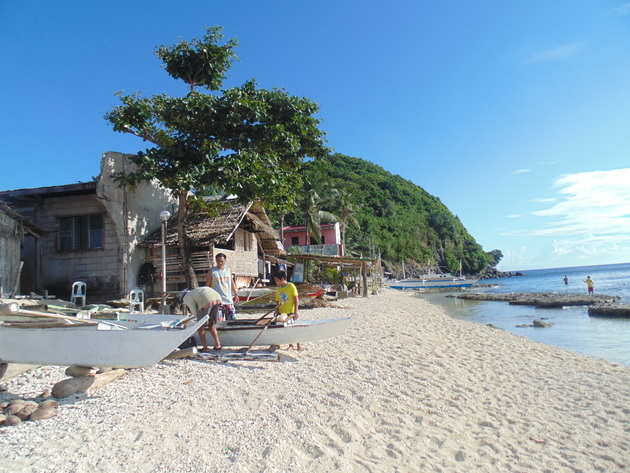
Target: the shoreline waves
pixel 405 388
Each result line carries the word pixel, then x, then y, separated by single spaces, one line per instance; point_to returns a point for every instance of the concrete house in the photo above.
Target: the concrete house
pixel 242 232
pixel 296 237
pixel 93 230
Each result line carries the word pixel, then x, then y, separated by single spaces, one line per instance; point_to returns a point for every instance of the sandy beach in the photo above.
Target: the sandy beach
pixel 405 389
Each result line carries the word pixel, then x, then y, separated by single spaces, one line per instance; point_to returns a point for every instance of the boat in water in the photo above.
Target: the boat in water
pixel 443 281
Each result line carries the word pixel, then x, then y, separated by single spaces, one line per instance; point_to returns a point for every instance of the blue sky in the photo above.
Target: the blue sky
pixel 515 114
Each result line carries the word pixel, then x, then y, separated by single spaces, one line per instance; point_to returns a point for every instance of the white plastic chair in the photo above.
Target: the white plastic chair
pixel 136 300
pixel 79 291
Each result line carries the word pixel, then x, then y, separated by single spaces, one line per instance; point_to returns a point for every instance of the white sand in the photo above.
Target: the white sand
pixel 406 388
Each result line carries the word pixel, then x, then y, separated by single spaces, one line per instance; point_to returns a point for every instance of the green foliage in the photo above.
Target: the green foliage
pixel 201 61
pixel 331 275
pixel 243 140
pixel 392 216
pixel 495 257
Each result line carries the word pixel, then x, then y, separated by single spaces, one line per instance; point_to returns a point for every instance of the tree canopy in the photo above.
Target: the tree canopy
pixel 243 140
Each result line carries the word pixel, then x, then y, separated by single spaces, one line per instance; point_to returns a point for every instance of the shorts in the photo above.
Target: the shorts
pixel 285 317
pixel 228 312
pixel 213 314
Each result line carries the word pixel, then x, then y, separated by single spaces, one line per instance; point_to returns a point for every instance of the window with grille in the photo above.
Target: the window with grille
pixel 81 233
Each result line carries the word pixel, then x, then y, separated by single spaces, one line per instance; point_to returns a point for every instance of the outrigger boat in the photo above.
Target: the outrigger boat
pixel 255 293
pixel 445 281
pixel 241 333
pixel 55 339
pixel 436 281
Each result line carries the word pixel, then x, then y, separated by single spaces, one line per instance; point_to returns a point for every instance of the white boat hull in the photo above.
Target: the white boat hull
pixel 134 347
pixel 300 331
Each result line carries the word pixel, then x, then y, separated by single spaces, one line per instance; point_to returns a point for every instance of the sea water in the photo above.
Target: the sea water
pixel 573 329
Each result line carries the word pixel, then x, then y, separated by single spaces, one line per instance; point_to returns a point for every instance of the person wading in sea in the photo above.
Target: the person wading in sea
pixel 590 284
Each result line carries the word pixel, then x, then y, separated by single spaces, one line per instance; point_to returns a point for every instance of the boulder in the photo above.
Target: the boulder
pixel 44 413
pixel 76 370
pixel 542 324
pixel 27 410
pixel 102 379
pixel 71 386
pixel 49 403
pixel 12 420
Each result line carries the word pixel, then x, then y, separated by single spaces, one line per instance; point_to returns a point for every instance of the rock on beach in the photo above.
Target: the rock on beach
pixel 406 388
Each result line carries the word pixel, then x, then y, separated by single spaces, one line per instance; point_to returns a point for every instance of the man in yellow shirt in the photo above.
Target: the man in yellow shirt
pixel 287 300
pixel 590 285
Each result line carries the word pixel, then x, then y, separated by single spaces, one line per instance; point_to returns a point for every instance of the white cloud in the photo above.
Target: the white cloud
pixel 516 258
pixel 521 171
pixel 593 210
pixel 593 203
pixel 513 216
pixel 560 53
pixel 545 200
pixel 620 11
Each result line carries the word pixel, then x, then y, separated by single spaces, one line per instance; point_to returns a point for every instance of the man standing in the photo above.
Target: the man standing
pixel 287 300
pixel 591 285
pixel 220 279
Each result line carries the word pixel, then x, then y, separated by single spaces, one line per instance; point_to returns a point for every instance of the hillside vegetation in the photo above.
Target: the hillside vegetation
pixel 384 213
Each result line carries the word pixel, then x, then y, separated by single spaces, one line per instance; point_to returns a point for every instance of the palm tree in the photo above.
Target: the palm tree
pixel 345 210
pixel 309 205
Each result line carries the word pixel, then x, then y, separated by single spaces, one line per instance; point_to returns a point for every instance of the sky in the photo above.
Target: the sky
pixel 516 114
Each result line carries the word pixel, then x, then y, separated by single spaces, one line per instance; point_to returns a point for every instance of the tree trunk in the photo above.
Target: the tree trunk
pixel 365 278
pixel 184 246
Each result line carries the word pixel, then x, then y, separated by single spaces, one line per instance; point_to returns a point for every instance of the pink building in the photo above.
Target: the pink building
pixel 331 240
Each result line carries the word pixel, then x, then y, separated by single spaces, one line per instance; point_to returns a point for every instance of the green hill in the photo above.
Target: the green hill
pixel 391 215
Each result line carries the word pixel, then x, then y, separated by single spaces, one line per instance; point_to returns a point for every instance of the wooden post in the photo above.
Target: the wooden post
pixel 17 279
pixel 364 275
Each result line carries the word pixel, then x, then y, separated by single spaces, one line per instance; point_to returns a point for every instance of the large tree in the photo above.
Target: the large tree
pixel 244 140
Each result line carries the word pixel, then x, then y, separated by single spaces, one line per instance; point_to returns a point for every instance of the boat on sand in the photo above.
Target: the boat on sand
pixel 241 333
pixel 142 340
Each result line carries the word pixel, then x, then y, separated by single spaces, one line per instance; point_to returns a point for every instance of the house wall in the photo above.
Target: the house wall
pixel 128 217
pixel 331 235
pixel 134 214
pixel 99 268
pixel 243 262
pixel 11 235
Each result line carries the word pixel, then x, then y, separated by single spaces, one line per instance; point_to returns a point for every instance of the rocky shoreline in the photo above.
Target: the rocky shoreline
pixel 544 299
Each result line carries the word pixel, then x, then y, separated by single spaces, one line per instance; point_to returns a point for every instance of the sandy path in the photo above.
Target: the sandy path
pixel 406 388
